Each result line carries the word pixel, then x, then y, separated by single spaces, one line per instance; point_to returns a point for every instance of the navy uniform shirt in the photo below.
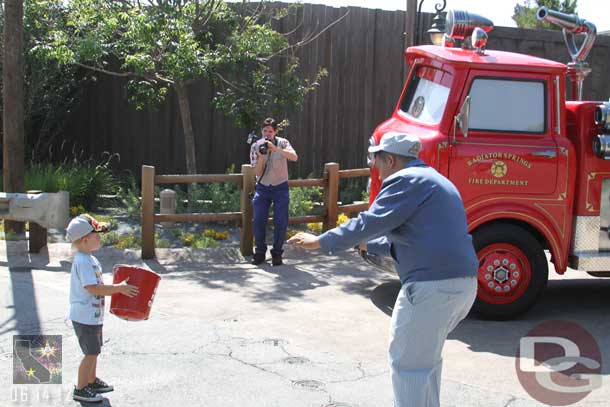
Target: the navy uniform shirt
pixel 418 217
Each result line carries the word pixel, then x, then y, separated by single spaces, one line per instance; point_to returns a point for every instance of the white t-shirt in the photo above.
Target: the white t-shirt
pixel 276 171
pixel 86 308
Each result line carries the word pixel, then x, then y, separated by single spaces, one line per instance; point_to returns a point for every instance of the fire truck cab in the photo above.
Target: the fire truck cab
pixel 532 168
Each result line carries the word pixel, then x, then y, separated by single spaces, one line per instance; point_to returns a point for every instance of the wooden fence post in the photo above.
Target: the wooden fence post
pixel 331 195
pixel 148 212
pixel 247 233
pixel 38 234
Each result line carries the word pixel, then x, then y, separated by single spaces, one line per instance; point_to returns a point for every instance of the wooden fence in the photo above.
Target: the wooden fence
pixel 364 57
pixel 246 181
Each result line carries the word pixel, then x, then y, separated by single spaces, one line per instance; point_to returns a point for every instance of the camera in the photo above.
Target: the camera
pixel 263 149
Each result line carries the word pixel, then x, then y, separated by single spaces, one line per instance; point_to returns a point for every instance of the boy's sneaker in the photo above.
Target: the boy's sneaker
pixel 86 394
pixel 99 386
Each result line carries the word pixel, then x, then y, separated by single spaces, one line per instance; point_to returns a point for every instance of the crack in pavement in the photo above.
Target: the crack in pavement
pixel 512 398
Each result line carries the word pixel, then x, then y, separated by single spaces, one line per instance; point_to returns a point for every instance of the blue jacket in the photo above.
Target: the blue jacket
pixel 418 218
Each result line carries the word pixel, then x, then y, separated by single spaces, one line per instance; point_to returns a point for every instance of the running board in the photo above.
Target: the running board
pixel 592 261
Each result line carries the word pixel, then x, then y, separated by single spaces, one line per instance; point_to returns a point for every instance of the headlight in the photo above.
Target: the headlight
pixel 601 146
pixel 602 116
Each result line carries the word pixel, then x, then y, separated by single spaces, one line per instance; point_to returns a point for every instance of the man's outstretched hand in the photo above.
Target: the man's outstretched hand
pixel 305 240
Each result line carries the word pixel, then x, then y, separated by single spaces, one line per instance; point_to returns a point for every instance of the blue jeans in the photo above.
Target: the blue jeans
pixel 263 197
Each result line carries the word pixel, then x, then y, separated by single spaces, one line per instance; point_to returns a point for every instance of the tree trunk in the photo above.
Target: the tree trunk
pixel 13 104
pixel 187 127
pixel 189 136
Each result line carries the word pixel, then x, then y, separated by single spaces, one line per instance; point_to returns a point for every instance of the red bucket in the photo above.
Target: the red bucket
pixel 136 308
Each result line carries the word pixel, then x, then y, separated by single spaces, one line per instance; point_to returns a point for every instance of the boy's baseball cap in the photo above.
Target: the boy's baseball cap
pixel 403 144
pixel 82 225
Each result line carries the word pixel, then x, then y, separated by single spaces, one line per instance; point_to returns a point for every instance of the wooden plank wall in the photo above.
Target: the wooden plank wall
pixel 364 57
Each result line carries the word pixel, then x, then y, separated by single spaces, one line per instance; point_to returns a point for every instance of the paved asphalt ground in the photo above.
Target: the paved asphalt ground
pixel 310 333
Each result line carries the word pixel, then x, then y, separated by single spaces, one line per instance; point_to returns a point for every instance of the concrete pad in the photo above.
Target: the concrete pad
pixel 310 333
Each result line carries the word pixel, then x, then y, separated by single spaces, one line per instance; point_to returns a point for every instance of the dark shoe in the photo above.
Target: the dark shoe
pixel 99 386
pixel 258 258
pixel 276 260
pixel 87 395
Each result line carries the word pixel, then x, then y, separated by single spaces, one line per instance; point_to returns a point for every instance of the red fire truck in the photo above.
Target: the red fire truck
pixel 531 166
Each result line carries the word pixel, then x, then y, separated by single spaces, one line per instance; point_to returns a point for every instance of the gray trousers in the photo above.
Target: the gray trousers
pixel 424 314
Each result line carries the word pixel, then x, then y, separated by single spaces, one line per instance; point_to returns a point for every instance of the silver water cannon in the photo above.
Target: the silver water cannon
pixel 461 24
pixel 571 25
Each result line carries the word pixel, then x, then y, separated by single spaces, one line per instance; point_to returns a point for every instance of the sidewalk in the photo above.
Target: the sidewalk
pixel 310 333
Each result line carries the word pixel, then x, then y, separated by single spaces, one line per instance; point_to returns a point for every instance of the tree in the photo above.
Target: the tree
pixel 12 89
pixel 160 45
pixel 51 91
pixel 525 14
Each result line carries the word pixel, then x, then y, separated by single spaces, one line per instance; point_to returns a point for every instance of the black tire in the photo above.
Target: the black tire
pixel 599 274
pixel 504 233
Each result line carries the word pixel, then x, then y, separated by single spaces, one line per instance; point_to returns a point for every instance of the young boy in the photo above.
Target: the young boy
pixel 87 291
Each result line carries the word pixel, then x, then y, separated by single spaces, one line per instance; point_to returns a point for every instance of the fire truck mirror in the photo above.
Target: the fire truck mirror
pixel 463 118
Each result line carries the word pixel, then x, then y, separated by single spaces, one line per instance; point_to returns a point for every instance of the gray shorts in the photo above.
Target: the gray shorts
pixel 89 337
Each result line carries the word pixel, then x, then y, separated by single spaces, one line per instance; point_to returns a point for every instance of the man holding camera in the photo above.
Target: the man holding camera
pixel 269 156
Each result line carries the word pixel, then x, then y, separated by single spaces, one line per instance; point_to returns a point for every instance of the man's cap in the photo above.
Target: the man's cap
pixel 82 225
pixel 402 144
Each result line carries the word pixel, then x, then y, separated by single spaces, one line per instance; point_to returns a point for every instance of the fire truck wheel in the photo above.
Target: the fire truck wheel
pixel 600 274
pixel 513 270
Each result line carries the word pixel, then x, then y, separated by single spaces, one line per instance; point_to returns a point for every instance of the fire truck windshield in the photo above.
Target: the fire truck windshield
pixel 426 95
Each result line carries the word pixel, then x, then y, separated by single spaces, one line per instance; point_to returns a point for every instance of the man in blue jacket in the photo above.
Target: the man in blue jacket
pixel 418 218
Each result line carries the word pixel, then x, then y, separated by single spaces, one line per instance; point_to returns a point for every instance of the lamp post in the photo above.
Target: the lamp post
pixel 437 30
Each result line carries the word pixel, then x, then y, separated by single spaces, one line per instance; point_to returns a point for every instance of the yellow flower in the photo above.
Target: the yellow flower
pixel 212 234
pixel 315 227
pixel 290 233
pixel 188 239
pixel 343 218
pixel 221 235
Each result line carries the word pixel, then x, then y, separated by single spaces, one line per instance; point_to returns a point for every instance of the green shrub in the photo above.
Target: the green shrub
pixel 110 239
pixel 162 243
pixel 176 232
pixel 128 242
pixel 209 198
pixel 351 190
pixel 198 241
pixel 121 241
pixel 128 195
pixel 302 200
pixel 205 242
pixel 221 197
pixel 84 180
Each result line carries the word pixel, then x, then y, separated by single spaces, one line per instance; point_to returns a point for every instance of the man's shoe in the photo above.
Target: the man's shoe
pixel 99 386
pixel 258 258
pixel 87 395
pixel 277 260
